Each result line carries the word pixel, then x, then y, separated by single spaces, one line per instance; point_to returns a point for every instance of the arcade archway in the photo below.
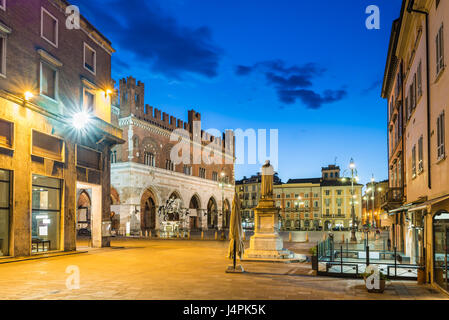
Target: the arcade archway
pixel 83 210
pixel 148 211
pixel 212 214
pixel 194 213
pixel 226 214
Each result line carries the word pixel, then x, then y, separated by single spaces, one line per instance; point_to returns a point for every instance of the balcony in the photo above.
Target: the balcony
pixel 392 199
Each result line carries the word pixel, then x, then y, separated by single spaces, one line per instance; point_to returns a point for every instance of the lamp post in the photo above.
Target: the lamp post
pixel 298 205
pixel 223 183
pixel 372 198
pixel 354 176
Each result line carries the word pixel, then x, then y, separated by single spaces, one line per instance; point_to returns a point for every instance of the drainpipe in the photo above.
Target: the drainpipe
pixel 410 10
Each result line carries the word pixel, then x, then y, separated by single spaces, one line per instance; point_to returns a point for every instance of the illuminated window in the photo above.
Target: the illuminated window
pixel 46 214
pixel 49 27
pixel 90 59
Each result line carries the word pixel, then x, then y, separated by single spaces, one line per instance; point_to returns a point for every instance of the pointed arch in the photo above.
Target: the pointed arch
pixel 212 213
pixel 148 205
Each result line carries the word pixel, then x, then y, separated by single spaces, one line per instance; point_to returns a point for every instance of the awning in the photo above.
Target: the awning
pixel 400 209
pixel 411 207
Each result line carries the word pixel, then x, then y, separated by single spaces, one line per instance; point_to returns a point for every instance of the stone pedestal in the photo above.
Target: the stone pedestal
pixel 266 244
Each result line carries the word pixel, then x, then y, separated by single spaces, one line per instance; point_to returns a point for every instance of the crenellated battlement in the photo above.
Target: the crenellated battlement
pixel 132 96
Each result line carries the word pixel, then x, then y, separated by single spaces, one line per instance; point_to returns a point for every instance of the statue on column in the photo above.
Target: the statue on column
pixel 267 180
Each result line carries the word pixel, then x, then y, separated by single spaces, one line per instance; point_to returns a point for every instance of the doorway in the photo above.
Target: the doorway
pixel 89 214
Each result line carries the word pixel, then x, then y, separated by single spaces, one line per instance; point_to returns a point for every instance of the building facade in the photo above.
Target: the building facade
pixel 145 174
pixel 248 191
pixel 373 214
pixel 51 80
pixel 416 86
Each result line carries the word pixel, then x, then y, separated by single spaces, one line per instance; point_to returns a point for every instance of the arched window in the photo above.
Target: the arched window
pixel 149 159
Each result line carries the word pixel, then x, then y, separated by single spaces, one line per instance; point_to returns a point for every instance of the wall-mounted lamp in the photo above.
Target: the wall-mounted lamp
pixel 28 95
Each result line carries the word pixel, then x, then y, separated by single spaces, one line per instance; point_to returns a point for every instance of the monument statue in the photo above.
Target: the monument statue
pixel 267 180
pixel 266 244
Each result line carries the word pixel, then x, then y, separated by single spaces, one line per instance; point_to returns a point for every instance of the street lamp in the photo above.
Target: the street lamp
pixel 222 185
pixel 354 177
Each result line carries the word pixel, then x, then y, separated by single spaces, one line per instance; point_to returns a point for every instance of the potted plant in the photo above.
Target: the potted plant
pixel 382 282
pixel 313 252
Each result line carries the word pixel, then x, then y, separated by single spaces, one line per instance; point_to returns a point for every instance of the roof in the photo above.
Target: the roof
pixel 309 180
pixel 338 183
pixel 391 62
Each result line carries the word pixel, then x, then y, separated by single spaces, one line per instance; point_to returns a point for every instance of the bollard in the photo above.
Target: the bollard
pixel 202 235
pixel 141 233
pixel 188 235
pixel 223 236
pixel 149 234
pixel 244 236
pixel 343 238
pixel 307 237
pixel 324 237
pixel 216 235
pixel 290 237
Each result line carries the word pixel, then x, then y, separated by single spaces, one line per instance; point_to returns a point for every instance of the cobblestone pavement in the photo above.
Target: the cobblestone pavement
pixel 174 269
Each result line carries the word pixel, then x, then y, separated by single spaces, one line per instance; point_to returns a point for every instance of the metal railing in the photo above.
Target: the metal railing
pixel 350 260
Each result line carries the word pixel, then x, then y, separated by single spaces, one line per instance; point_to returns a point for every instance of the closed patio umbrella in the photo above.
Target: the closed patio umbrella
pixel 236 246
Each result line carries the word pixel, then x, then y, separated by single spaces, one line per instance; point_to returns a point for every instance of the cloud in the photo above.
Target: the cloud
pixel 376 84
pixel 293 83
pixel 310 98
pixel 154 38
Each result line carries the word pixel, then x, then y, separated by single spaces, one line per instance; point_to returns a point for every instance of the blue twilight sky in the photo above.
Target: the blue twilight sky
pixel 310 69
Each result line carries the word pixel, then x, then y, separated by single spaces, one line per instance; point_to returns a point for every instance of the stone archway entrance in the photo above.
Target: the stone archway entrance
pixel 212 214
pixel 83 210
pixel 148 211
pixel 194 207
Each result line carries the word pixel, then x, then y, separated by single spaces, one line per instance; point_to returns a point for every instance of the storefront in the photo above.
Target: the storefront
pixel 440 246
pixel 46 214
pixel 5 196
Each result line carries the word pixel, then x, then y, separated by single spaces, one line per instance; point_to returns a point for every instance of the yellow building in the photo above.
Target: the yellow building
pixel 416 86
pixel 307 204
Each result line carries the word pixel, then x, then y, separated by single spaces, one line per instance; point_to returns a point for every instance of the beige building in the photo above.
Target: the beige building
pixel 416 84
pixel 308 204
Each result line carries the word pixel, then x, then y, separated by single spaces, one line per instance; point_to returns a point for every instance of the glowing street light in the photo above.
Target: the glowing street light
pixel 80 120
pixel 28 95
pixel 354 177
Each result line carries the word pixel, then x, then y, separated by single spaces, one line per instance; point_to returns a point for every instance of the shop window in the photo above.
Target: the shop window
pixel 5 203
pixel 47 146
pixel 441 252
pixel 6 134
pixel 49 27
pixel 88 158
pixel 46 214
